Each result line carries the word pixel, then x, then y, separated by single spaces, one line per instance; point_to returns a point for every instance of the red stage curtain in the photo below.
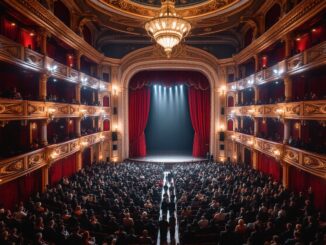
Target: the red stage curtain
pixel 269 165
pixel 199 106
pixel 301 181
pixel 139 105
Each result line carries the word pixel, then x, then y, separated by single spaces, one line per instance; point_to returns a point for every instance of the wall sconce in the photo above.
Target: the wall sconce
pixel 52 68
pixel 102 87
pixel 223 90
pixel 222 159
pixel 84 143
pixel 250 142
pixel 100 157
pixel 280 113
pixel 102 137
pixel 233 137
pixel 234 87
pixel 3 124
pixel 222 127
pixel 54 155
pixel 84 80
pixel 34 125
pixel 251 82
pixel 83 113
pixel 51 112
pixel 277 154
pixel 115 90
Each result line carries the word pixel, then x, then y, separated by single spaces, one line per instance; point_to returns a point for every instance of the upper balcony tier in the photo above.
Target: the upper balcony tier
pixel 25 110
pixel 15 53
pixel 310 58
pixel 312 110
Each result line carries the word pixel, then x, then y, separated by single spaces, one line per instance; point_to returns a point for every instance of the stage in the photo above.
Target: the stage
pixel 168 159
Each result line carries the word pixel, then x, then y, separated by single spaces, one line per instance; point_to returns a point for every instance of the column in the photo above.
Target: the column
pixel 44 136
pixel 45 177
pixel 42 86
pixel 254 159
pixel 78 56
pixel 255 127
pixel 43 41
pixel 77 92
pixel 288 45
pixel 288 88
pixel 241 122
pixel 236 98
pixel 78 131
pixel 256 89
pixel 256 58
pixel 285 174
pixel 92 153
pixel 286 131
pixel 79 160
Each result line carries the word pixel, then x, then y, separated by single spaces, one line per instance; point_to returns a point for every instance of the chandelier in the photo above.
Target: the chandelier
pixel 167 28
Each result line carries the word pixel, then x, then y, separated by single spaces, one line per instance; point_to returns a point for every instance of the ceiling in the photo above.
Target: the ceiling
pixel 118 25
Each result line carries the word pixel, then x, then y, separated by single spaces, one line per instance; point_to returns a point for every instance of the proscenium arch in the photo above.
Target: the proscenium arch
pixel 185 63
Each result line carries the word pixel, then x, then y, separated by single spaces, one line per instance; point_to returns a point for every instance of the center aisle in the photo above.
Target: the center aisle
pixel 167 211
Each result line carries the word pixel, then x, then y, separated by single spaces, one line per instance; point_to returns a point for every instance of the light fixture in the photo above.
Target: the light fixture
pixel 168 28
pixel 52 68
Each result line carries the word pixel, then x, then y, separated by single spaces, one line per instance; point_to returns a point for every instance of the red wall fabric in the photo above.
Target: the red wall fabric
pixel 8 30
pixel 106 101
pixel 230 125
pixel 63 168
pixel 106 125
pixel 199 106
pixel 139 105
pixel 301 181
pixel 20 189
pixel 26 39
pixel 230 101
pixel 269 165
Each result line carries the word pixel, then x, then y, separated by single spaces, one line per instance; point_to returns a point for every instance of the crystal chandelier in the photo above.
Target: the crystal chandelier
pixel 167 28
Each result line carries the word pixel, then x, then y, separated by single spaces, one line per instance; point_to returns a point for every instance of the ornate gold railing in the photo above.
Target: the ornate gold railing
pixel 292 110
pixel 24 109
pixel 307 161
pixel 13 52
pixel 17 166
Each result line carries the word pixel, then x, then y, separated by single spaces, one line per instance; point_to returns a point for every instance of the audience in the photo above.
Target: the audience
pixel 120 204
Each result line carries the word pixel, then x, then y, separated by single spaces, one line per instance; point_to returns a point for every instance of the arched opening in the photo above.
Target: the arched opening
pixel 230 101
pixel 159 92
pixel 272 16
pixel 230 125
pixel 248 37
pixel 62 12
pixel 87 34
pixel 106 101
pixel 106 125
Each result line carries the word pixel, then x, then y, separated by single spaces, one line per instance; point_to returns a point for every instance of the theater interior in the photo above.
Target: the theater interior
pixel 186 122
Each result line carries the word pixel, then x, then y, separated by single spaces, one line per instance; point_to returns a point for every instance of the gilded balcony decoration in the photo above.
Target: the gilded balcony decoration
pixel 15 167
pixel 24 109
pixel 307 161
pixel 292 110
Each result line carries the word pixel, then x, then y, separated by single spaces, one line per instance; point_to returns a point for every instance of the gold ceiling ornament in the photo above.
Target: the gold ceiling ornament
pixel 167 28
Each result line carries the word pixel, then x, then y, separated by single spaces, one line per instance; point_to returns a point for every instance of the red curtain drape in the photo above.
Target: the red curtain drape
pixel 269 165
pixel 301 181
pixel 63 168
pixel 139 105
pixel 199 106
pixel 20 189
pixel 106 125
pixel 230 125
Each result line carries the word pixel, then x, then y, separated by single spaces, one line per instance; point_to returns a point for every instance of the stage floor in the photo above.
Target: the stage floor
pixel 168 159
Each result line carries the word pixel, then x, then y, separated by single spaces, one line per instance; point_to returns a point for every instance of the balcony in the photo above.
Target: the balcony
pixel 15 53
pixel 314 110
pixel 307 161
pixel 304 61
pixel 17 166
pixel 24 109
